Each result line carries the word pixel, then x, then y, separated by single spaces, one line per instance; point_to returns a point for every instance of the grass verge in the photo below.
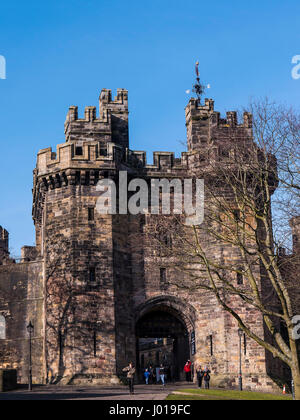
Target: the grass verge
pixel 222 395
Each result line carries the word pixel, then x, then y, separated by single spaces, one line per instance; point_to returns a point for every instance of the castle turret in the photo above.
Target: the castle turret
pixel 118 109
pixel 204 124
pixel 4 239
pixel 110 126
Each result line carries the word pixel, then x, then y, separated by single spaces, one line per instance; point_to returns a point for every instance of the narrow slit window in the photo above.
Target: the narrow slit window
pixel 142 224
pixel 77 178
pixel 92 275
pixel 95 343
pixel 163 278
pixel 103 149
pixel 240 279
pixel 236 215
pixel 211 344
pixel 91 214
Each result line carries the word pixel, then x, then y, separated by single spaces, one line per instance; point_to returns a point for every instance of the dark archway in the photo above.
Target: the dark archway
pixel 162 337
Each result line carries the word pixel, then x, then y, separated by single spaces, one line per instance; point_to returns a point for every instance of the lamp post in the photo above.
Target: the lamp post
pixel 241 333
pixel 30 330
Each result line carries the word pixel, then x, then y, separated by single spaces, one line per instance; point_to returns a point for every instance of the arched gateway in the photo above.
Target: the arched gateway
pixel 164 326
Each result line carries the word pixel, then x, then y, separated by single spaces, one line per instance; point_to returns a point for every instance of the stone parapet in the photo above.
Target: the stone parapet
pixel 110 126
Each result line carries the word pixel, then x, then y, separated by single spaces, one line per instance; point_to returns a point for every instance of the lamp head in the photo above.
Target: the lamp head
pixel 30 327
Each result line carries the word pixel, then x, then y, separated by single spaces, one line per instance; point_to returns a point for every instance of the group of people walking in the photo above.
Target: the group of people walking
pixel 158 374
pixel 152 375
pixel 203 375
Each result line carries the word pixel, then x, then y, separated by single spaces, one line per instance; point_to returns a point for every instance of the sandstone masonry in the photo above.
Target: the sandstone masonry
pixel 86 285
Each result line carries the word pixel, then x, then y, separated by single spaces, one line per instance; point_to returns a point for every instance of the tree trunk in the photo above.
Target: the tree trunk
pixel 296 379
pixel 295 367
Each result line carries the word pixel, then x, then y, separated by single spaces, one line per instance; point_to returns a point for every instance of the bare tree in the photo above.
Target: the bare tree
pixel 251 193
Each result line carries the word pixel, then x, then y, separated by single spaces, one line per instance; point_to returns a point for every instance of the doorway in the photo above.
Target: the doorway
pixel 162 338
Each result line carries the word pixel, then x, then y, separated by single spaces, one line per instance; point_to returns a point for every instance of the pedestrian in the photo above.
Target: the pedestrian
pixel 188 371
pixel 206 377
pixel 162 374
pixel 147 375
pixel 130 369
pixel 154 376
pixel 151 377
pixel 200 375
pixel 157 374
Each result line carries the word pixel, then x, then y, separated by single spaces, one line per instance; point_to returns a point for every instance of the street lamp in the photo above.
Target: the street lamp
pixel 241 333
pixel 30 331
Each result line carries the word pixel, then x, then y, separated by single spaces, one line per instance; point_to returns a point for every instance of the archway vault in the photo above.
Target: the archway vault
pixel 171 304
pixel 163 327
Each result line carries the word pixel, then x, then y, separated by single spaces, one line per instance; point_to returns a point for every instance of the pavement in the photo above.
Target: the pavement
pixel 56 392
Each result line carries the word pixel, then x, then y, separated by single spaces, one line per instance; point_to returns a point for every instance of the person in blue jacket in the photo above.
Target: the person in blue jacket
pixel 146 375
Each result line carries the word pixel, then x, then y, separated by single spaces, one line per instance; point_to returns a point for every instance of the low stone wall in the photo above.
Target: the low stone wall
pixel 82 379
pixel 258 383
pixel 8 379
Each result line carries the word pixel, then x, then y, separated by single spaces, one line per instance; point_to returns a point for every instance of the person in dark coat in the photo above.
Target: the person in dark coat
pixel 200 375
pixel 151 377
pixel 130 369
pixel 206 377
pixel 162 374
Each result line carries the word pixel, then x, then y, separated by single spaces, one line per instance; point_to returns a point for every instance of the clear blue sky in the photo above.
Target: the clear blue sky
pixel 62 53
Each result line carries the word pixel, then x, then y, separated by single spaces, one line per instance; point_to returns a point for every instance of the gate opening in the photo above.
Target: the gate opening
pixel 162 338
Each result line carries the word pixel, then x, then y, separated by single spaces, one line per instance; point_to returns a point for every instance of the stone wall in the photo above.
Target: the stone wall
pixel 21 301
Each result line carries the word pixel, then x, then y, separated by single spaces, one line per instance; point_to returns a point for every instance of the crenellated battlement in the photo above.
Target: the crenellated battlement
pixel 118 105
pixel 93 156
pixel 196 112
pixel 204 124
pixel 4 235
pixel 111 125
pixel 78 155
pixel 97 146
pixel 4 244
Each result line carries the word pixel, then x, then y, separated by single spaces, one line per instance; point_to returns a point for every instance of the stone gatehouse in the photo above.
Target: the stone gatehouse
pixel 91 293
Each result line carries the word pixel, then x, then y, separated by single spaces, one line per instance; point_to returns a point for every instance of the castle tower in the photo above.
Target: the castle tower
pixel 4 238
pixel 77 243
pixel 205 126
pixel 110 126
pixel 295 225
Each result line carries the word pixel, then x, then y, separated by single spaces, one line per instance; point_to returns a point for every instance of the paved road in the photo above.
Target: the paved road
pixel 142 392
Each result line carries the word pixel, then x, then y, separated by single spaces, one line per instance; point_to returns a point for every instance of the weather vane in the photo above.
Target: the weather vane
pixel 198 87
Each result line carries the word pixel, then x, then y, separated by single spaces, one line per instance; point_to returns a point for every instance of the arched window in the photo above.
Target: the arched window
pixel 2 328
